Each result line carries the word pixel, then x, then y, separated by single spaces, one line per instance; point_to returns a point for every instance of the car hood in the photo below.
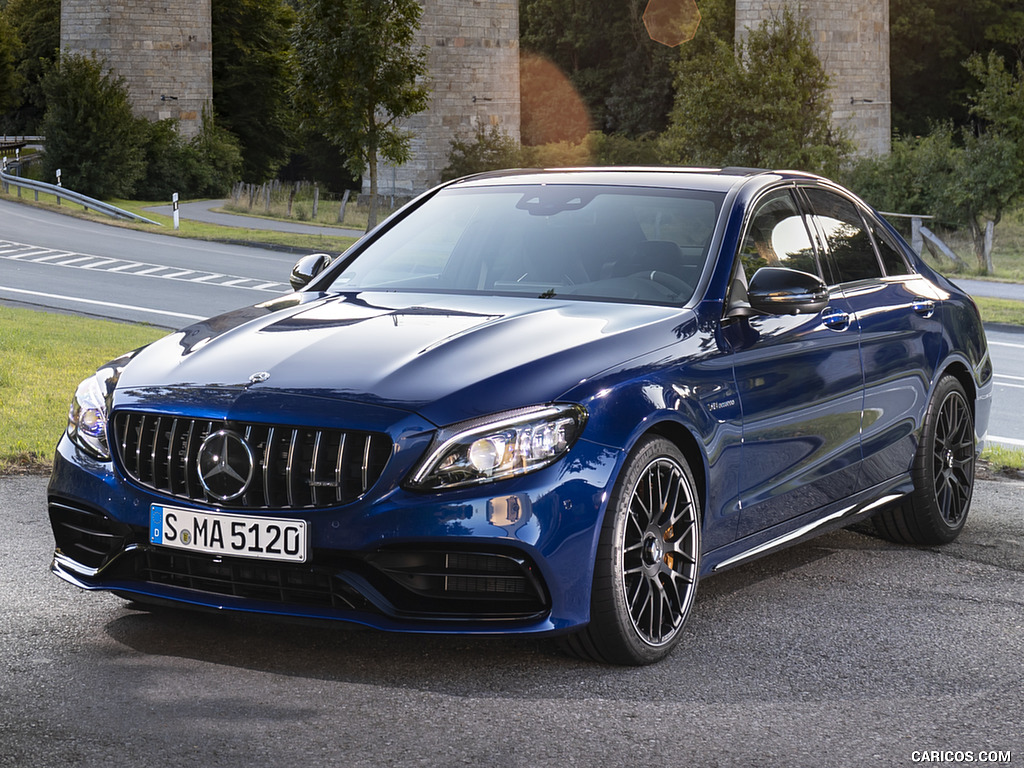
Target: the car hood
pixel 446 358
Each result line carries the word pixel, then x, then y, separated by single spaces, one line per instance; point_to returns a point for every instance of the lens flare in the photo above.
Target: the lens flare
pixel 671 22
pixel 552 110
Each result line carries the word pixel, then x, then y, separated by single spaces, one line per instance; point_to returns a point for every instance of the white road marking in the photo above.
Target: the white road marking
pixel 29 253
pixel 94 302
pixel 1004 440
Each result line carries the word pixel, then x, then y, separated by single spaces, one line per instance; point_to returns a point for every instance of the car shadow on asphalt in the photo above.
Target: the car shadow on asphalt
pixel 468 665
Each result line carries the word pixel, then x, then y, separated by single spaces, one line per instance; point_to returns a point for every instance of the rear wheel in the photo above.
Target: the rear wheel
pixel 943 473
pixel 645 577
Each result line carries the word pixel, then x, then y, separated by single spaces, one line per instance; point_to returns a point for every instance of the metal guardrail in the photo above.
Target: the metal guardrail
pixel 61 193
pixel 10 143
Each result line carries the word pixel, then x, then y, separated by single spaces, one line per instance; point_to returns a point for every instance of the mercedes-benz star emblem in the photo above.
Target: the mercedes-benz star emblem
pixel 225 465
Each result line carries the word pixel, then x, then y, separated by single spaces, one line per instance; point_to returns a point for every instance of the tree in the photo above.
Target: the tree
pixel 251 78
pixel 358 75
pixel 622 76
pixel 929 43
pixel 966 178
pixel 10 80
pixel 218 156
pixel 36 25
pixel 766 105
pixel 991 177
pixel 91 133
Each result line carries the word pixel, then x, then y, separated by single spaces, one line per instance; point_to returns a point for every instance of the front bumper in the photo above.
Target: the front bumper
pixel 513 557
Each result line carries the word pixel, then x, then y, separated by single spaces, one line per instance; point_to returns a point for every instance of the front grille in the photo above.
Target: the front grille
pixel 253 580
pixel 398 583
pixel 293 467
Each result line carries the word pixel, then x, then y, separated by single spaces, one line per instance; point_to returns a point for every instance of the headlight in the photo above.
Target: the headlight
pixel 499 446
pixel 87 417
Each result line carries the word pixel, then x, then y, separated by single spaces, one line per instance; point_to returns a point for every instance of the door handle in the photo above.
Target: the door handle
pixel 835 319
pixel 924 307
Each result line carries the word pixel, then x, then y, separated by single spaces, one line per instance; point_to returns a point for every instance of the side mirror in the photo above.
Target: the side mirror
pixel 784 291
pixel 307 268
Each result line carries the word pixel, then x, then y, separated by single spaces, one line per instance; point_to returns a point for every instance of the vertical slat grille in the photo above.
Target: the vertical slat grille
pixel 293 467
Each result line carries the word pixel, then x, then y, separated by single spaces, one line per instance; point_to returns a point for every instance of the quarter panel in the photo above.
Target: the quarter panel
pixel 901 343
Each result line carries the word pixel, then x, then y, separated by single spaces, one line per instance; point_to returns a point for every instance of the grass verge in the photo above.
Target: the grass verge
pixel 44 357
pixel 1004 311
pixel 1003 460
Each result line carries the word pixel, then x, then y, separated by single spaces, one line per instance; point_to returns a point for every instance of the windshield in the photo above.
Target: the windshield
pixel 606 243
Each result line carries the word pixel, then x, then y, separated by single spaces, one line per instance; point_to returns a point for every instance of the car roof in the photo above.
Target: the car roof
pixel 706 179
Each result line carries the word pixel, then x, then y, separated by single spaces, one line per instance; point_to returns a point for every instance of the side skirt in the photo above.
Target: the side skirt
pixel 839 515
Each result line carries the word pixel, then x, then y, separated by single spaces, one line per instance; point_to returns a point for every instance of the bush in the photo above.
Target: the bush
pixel 617 149
pixel 91 134
pixel 911 177
pixel 218 157
pixel 171 164
pixel 104 151
pixel 559 154
pixel 490 150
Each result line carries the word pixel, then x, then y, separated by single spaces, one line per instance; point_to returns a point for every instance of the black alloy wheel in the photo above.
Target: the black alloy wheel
pixel 646 573
pixel 943 473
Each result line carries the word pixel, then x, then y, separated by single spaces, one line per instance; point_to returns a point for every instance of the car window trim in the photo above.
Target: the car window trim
pixel 822 241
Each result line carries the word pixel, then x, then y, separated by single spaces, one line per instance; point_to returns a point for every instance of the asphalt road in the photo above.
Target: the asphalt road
pixel 847 651
pixel 52 261
pixel 1006 346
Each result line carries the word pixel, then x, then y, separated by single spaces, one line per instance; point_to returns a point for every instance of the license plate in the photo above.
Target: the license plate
pixel 266 538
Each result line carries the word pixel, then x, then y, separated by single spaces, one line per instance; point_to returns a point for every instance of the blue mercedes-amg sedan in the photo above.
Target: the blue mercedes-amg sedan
pixel 536 402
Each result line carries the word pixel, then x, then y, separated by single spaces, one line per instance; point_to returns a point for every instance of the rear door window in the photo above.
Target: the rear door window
pixel 844 235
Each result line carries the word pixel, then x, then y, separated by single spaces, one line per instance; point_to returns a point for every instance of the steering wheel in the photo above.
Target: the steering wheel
pixel 675 284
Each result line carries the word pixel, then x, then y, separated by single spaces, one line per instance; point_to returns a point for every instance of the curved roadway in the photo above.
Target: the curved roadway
pixel 52 261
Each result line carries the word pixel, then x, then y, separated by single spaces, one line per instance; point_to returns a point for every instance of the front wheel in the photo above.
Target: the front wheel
pixel 943 473
pixel 648 559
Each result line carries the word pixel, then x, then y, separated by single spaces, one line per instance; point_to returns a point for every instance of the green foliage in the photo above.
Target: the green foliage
pixel 618 149
pixel 623 77
pixel 318 160
pixel 35 24
pixel 91 134
pixel 929 42
pixel 170 163
pixel 965 178
pixel 358 74
pixel 10 79
pixel 218 159
pixel 490 150
pixel 766 105
pixel 558 154
pixel 251 78
pixel 905 180
pixel 104 151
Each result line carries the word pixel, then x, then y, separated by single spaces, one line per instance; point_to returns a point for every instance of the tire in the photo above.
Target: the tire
pixel 648 561
pixel 943 474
